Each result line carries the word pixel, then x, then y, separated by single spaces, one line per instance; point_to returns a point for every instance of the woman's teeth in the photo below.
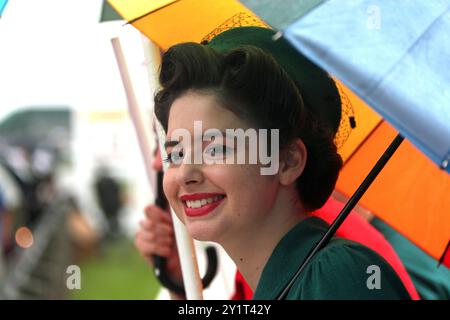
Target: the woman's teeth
pixel 195 204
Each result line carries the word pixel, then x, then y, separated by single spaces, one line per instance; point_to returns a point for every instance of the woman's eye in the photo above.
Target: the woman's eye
pixel 174 157
pixel 218 150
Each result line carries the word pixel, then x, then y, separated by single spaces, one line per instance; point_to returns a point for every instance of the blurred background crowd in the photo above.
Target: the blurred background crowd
pixel 72 182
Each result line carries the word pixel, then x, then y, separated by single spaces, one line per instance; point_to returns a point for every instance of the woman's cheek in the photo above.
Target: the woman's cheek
pixel 170 190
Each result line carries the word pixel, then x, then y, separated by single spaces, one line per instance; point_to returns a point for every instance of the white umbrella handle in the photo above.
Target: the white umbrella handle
pixel 186 249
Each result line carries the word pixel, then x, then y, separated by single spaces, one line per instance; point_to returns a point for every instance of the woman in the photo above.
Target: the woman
pixel 262 221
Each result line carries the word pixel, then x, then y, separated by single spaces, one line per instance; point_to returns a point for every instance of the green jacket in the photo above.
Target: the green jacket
pixel 341 270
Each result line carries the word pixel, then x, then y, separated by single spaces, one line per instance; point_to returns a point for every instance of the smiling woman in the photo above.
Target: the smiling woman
pixel 244 80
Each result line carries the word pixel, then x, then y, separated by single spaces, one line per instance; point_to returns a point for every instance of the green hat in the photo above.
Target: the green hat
pixel 318 90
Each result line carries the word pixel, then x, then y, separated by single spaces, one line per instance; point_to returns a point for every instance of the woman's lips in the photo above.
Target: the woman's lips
pixel 204 209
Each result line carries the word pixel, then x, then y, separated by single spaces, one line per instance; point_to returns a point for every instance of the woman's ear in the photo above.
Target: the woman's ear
pixel 292 162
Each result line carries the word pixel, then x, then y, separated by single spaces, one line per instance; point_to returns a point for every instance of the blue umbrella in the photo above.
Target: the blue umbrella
pixel 2 6
pixel 393 54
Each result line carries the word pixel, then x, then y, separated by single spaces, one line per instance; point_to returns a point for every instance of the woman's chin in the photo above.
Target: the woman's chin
pixel 202 232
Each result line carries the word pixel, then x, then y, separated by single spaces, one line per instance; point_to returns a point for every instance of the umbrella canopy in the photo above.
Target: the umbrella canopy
pixel 394 55
pixel 108 13
pixel 2 6
pixel 167 22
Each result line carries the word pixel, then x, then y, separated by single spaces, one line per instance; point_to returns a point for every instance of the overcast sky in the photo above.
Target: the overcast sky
pixel 55 52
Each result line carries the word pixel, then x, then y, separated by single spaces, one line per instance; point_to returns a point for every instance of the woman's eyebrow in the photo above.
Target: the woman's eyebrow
pixel 170 143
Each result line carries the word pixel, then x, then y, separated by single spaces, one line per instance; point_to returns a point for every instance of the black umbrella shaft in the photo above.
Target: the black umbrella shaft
pixel 347 209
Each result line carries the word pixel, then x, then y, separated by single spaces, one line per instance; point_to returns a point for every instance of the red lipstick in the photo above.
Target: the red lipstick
pixel 204 209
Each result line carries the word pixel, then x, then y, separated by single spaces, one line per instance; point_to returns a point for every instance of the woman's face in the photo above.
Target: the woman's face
pixel 216 201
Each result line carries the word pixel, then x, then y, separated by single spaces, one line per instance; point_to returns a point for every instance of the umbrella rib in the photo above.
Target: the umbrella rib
pixel 153 11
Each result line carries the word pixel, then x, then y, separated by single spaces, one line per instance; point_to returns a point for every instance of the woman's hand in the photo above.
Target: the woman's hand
pixel 156 237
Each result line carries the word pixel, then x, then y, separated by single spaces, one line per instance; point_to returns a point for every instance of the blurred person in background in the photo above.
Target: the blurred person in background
pixel 3 232
pixel 110 198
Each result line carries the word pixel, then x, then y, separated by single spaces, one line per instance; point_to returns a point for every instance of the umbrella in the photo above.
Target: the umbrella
pixel 2 6
pixel 394 55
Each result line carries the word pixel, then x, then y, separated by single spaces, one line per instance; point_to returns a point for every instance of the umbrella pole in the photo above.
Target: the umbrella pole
pixel 186 249
pixel 346 210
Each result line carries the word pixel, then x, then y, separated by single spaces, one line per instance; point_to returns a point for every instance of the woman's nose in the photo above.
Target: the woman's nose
pixel 189 174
